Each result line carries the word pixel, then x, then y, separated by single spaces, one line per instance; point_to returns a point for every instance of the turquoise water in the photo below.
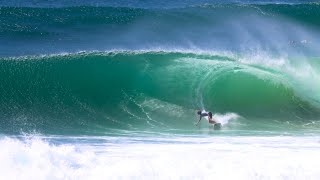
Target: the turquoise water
pixel 110 90
pixel 155 91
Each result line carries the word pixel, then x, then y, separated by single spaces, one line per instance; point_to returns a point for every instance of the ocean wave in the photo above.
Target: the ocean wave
pixel 154 89
pixel 292 29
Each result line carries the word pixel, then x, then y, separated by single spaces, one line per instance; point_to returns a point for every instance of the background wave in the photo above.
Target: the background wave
pixel 276 28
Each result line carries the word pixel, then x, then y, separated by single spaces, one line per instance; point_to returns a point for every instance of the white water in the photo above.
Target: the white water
pixel 160 158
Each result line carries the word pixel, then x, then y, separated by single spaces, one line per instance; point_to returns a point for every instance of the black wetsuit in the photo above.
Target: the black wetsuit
pixel 204 114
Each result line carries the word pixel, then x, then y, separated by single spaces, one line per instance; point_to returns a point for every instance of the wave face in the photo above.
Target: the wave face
pixel 148 90
pixel 78 66
pixel 238 27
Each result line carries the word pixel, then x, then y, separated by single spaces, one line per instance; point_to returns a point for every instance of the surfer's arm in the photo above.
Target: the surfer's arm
pixel 199 120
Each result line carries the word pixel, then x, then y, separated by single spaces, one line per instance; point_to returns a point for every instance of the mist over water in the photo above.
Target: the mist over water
pixel 274 29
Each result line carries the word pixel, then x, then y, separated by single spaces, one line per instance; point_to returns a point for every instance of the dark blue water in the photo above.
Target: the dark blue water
pixel 45 27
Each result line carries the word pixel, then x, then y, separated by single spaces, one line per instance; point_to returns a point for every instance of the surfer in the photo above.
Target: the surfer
pixel 211 120
pixel 204 114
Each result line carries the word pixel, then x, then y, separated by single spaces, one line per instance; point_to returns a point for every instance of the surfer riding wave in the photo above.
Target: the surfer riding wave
pixel 203 113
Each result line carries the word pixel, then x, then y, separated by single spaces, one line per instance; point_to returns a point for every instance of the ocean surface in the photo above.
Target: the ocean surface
pixel 109 90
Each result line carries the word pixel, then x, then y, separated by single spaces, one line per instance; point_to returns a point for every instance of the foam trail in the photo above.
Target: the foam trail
pixel 225 118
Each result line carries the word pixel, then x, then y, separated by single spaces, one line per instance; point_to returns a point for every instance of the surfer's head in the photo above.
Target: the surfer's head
pixel 210 114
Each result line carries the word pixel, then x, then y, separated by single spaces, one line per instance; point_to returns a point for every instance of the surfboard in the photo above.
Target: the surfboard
pixel 217 126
